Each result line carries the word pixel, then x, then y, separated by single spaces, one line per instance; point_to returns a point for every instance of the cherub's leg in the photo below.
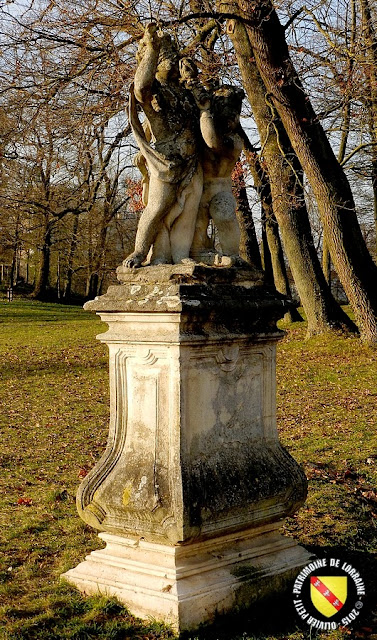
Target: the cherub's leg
pixel 202 245
pixel 182 231
pixel 161 253
pixel 161 199
pixel 222 210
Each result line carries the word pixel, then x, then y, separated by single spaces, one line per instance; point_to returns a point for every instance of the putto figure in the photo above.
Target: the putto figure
pixel 222 143
pixel 169 142
pixel 189 142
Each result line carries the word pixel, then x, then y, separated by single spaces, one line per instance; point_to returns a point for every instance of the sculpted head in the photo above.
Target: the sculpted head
pixel 168 60
pixel 188 69
pixel 227 105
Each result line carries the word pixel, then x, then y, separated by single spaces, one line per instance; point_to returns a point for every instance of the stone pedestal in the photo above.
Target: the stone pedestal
pixel 194 482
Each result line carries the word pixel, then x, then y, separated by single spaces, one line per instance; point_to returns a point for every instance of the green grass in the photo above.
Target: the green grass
pixel 327 392
pixel 54 421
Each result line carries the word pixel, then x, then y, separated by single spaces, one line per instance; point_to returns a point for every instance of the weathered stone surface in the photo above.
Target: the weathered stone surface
pixel 194 481
pixel 221 300
pixel 169 143
pixel 191 584
pixel 189 142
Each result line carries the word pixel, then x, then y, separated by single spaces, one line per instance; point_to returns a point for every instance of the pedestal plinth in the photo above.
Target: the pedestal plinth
pixel 194 482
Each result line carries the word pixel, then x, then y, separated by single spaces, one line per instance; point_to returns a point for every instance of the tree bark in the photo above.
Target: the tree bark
pixel 330 186
pixel 249 249
pixel 266 255
pixel 67 292
pixel 288 201
pixel 99 252
pixel 369 37
pixel 272 250
pixel 43 270
pixel 279 269
pixel 326 261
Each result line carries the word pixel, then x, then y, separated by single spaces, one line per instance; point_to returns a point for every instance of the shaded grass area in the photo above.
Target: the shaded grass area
pixel 54 421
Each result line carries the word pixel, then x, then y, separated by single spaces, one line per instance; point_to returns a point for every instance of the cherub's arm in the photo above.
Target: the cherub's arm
pixel 209 131
pixel 149 50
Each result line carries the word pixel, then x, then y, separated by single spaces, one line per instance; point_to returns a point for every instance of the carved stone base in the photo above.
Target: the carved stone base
pixel 194 481
pixel 190 584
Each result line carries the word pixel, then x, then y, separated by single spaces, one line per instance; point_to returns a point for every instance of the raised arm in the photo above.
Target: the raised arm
pixel 149 49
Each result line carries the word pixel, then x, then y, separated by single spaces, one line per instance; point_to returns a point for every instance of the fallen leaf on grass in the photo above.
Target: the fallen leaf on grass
pixel 27 502
pixel 82 473
pixel 370 495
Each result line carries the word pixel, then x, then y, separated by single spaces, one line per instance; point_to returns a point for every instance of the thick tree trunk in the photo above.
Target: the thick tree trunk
pixel 374 187
pixel 369 37
pixel 15 268
pixel 288 201
pixel 266 256
pixel 279 269
pixel 93 284
pixel 43 269
pixel 249 249
pixel 326 262
pixel 67 291
pixel 351 258
pixel 272 250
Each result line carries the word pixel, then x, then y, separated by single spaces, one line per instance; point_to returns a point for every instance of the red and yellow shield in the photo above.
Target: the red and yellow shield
pixel 328 593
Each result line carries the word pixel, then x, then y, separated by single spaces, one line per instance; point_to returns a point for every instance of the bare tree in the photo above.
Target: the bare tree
pixel 288 199
pixel 352 260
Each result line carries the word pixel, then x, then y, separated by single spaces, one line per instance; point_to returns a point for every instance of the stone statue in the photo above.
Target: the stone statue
pixel 223 137
pixel 169 142
pixel 189 143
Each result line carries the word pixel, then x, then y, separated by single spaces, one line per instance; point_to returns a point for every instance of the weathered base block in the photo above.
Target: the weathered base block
pixel 190 584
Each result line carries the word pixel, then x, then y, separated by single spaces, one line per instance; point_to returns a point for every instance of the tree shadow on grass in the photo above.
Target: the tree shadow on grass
pixel 67 615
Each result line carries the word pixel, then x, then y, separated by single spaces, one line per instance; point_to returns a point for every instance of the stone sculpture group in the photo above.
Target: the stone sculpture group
pixel 189 143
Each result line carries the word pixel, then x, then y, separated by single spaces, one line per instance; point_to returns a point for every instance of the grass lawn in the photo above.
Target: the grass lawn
pixel 54 395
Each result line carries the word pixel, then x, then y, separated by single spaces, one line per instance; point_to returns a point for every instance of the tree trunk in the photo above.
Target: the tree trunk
pixel 67 291
pixel 266 255
pixel 288 201
pixel 330 186
pixel 92 286
pixel 278 266
pixel 249 249
pixel 326 262
pixel 99 252
pixel 272 250
pixel 369 37
pixel 43 269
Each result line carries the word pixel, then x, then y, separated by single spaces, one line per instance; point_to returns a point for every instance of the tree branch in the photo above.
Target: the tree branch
pixel 356 150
